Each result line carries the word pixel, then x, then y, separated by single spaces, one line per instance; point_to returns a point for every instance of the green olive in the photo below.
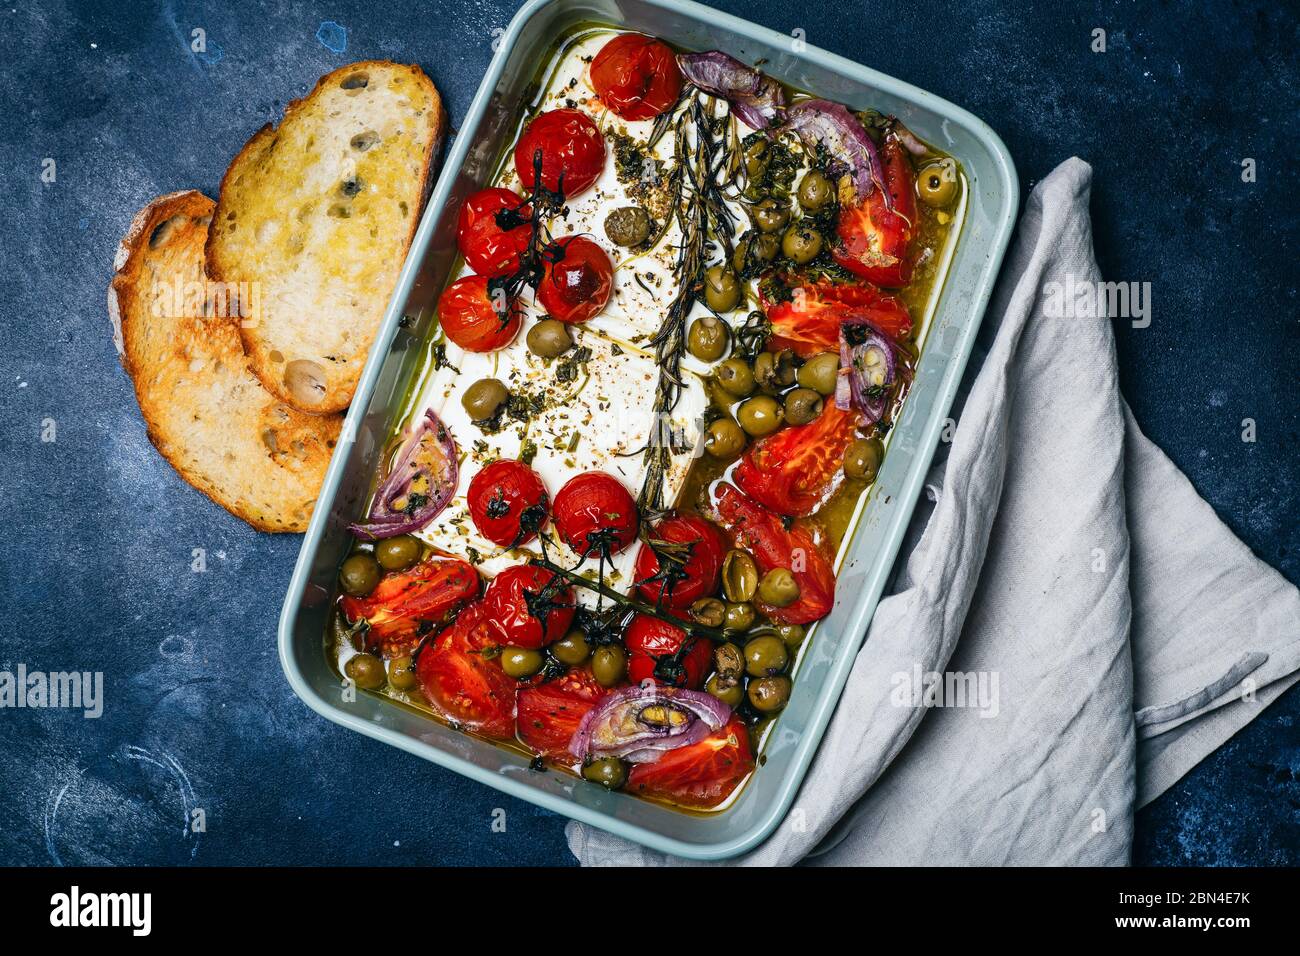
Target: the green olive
pixel 549 338
pixel 708 611
pixel 739 617
pixel 792 634
pixel 735 376
pixel 608 665
pixel 739 576
pixel 760 415
pixel 815 191
pixel 724 439
pixel 628 226
pixel 802 405
pixel 366 671
pixel 359 574
pixel 520 662
pixel 482 399
pixel 862 458
pixel 708 337
pixel 775 371
pixel 937 183
pixel 778 588
pixel 728 691
pixel 729 662
pixel 820 372
pixel 572 649
pixel 399 553
pixel 767 695
pixel 721 289
pixel 756 158
pixel 771 216
pixel 755 247
pixel 609 772
pixel 765 655
pixel 802 244
pixel 401 673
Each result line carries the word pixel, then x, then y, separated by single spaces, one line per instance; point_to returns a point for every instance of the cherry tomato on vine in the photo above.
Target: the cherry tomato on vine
pixel 468 313
pixel 698 577
pixel 525 609
pixel 493 231
pixel 507 502
pixel 593 513
pixel 577 280
pixel 462 682
pixel 571 148
pixel 649 641
pixel 636 76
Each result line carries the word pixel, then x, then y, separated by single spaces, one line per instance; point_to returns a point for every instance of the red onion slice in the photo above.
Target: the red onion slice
pixel 868 368
pixel 756 99
pixel 640 724
pixel 418 486
pixel 833 127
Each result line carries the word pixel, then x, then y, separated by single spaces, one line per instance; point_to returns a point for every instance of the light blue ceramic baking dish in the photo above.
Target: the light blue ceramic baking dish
pixel 400 347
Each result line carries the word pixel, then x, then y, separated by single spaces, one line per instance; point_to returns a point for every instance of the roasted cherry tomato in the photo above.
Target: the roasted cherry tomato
pixel 577 280
pixel 809 321
pixel 651 644
pixel 875 241
pixel 766 537
pixel 594 513
pixel 464 683
pixel 792 471
pixel 525 609
pixel 572 152
pixel 493 231
pixel 636 77
pixel 701 775
pixel 406 604
pixel 468 313
pixel 549 712
pixel 683 584
pixel 508 503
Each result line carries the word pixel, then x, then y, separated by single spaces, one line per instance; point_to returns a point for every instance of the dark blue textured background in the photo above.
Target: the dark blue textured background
pixel 95 569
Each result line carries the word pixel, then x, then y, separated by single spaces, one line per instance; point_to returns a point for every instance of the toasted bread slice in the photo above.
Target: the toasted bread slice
pixel 205 411
pixel 319 214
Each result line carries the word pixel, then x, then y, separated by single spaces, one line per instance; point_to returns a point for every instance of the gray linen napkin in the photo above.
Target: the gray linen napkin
pixel 1117 629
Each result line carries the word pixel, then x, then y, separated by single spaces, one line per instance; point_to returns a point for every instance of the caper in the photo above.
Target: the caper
pixel 815 191
pixel 708 611
pixel 728 691
pixel 628 226
pixel 770 215
pixel 778 588
pixel 549 338
pixel 729 661
pixel 792 634
pixel 802 405
pixel 756 158
pixel 608 665
pixel 820 372
pixel 765 655
pixel 482 399
pixel 520 662
pixel 398 553
pixel 937 183
pixel 365 670
pixel 862 458
pixel 767 695
pixel 724 439
pixel 739 617
pixel 775 371
pixel 802 244
pixel 572 649
pixel 401 673
pixel 760 415
pixel 739 576
pixel 721 289
pixel 609 772
pixel 755 247
pixel 735 376
pixel 359 574
pixel 707 338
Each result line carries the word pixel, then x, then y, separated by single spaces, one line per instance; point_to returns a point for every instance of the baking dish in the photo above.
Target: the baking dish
pixel 400 351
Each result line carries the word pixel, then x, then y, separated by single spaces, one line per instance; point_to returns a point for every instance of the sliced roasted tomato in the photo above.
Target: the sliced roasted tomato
pixel 462 680
pixel 875 240
pixel 636 76
pixel 701 775
pixel 809 321
pixel 794 470
pixel 548 713
pixel 577 280
pixel 468 313
pixel 652 648
pixel 408 604
pixel 569 147
pixel 765 535
pixel 693 551
pixel 527 607
pixel 594 513
pixel 493 231
pixel 507 503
